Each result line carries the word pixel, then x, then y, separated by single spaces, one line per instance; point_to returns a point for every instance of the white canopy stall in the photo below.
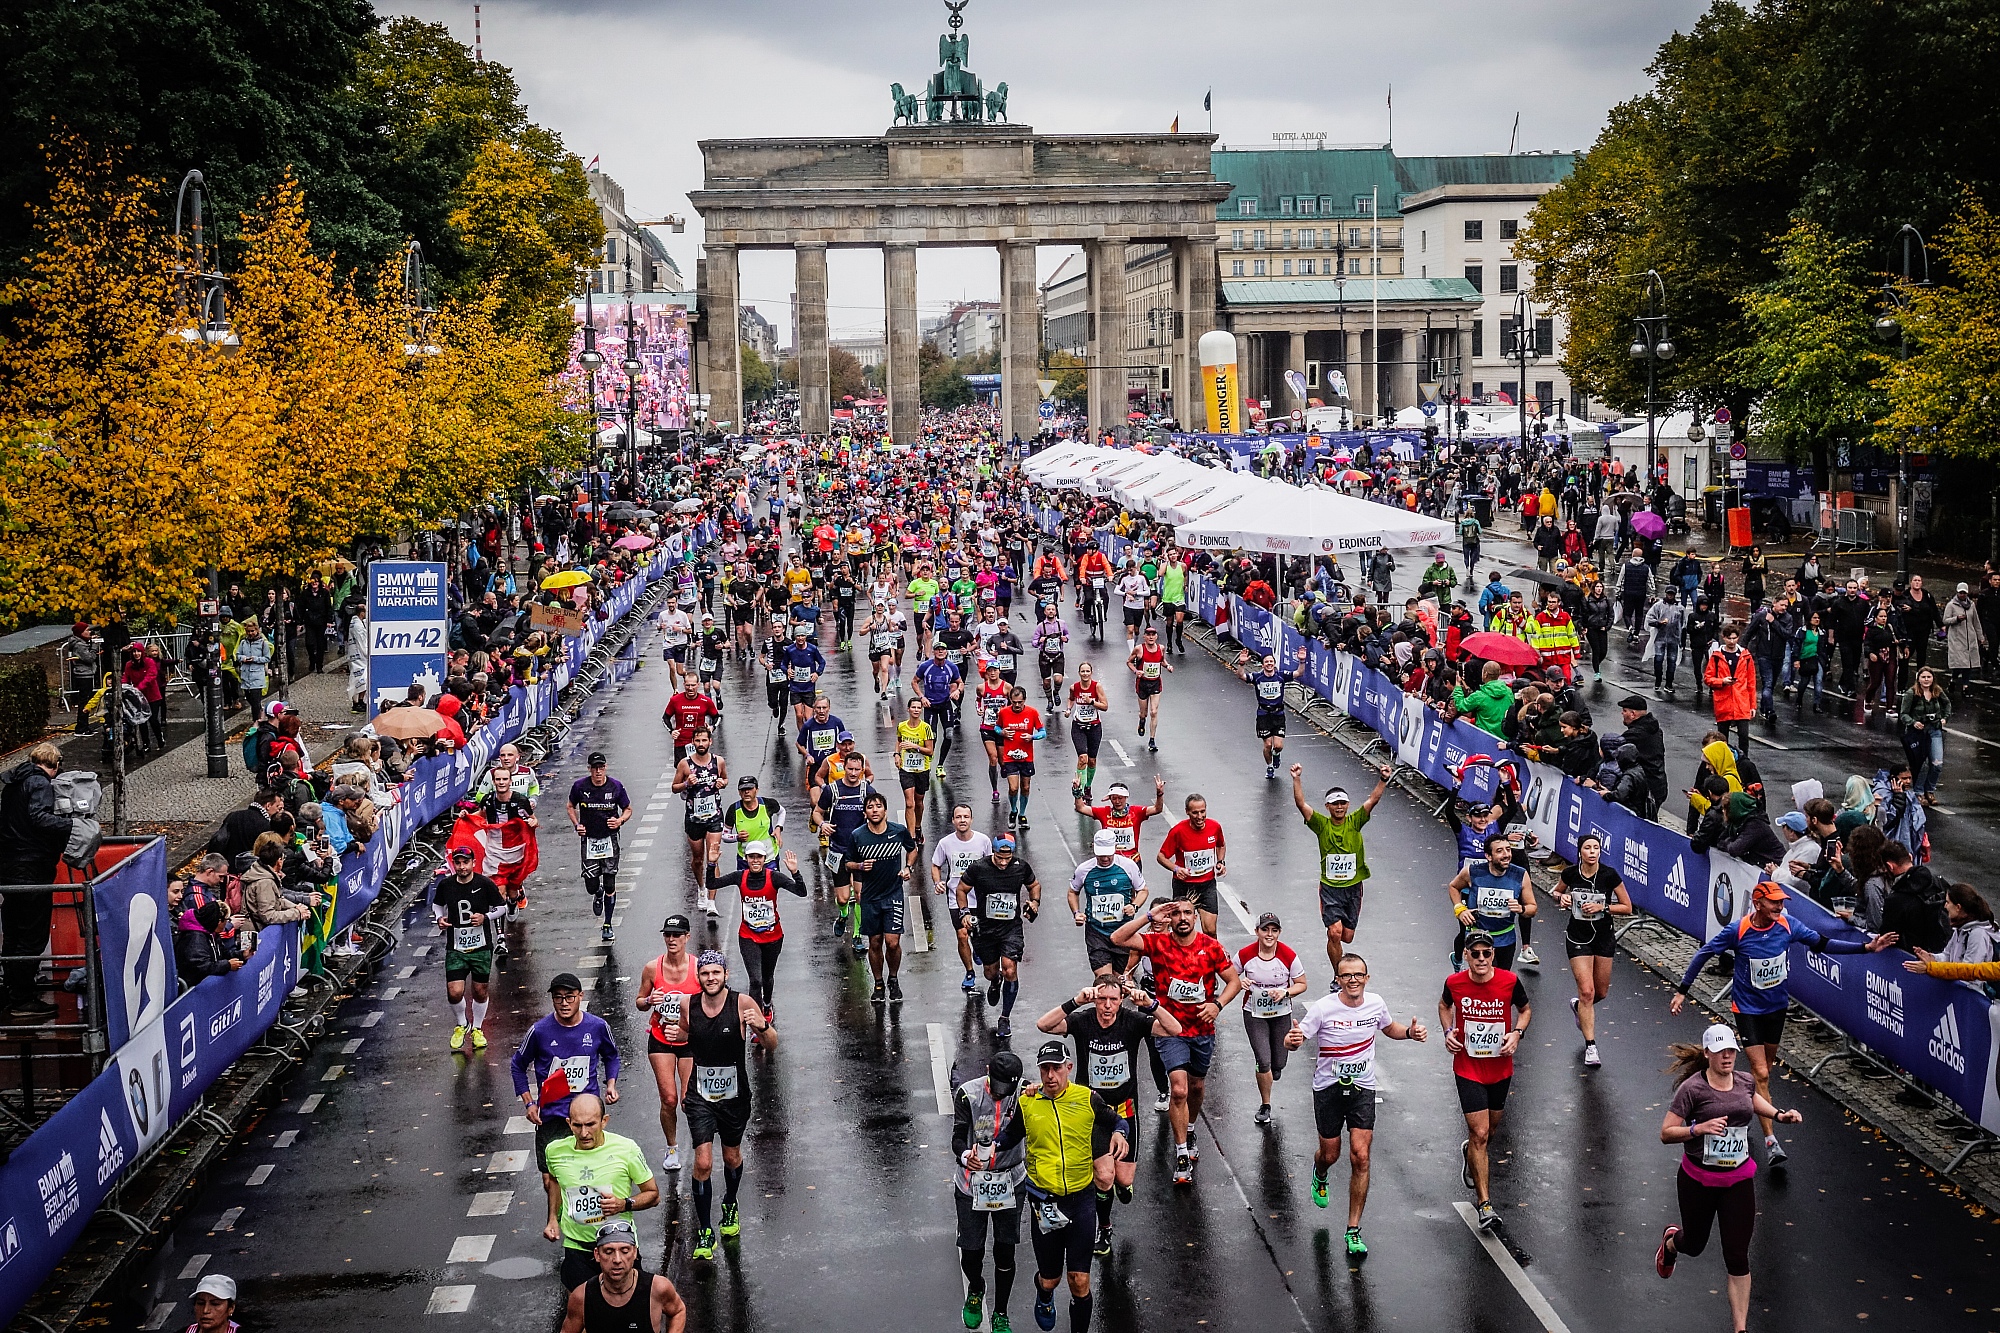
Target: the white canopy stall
pixel 1313 522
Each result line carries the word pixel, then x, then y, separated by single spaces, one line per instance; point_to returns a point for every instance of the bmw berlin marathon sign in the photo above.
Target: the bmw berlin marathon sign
pixel 406 630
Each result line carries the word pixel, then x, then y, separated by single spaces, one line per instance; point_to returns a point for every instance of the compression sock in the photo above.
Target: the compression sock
pixel 461 1013
pixel 1103 1209
pixel 993 776
pixel 479 1013
pixel 704 1200
pixel 732 1179
pixel 1003 1276
pixel 1079 1313
pixel 610 901
pixel 1008 990
pixel 972 1264
pixel 1527 925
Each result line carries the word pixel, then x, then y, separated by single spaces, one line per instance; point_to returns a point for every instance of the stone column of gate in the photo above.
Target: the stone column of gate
pixel 815 376
pixel 899 290
pixel 1106 260
pixel 1295 359
pixel 720 313
pixel 1021 335
pixel 1194 272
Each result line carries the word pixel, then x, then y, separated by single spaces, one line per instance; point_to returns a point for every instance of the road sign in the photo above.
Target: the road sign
pixel 406 629
pixel 1738 451
pixel 1738 470
pixel 1722 416
pixel 209 609
pixel 1048 388
pixel 1429 408
pixel 1429 391
pixel 1046 410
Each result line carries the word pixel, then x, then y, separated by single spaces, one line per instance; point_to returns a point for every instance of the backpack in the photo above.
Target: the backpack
pixel 78 795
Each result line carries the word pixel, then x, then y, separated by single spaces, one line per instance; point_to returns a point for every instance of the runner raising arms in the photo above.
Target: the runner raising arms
pixel 1269 683
pixel 1087 704
pixel 1484 1011
pixel 666 987
pixel 1122 817
pixel 1343 859
pixel 1342 1028
pixel 1146 662
pixel 1592 894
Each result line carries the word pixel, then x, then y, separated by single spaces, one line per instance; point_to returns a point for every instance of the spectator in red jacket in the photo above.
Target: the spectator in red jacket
pixel 1731 677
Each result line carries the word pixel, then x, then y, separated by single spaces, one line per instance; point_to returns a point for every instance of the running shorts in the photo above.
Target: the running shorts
pixel 882 916
pixel 474 963
pixel 1342 1106
pixel 1200 892
pixel 706 1119
pixel 1340 906
pixel 1270 724
pixel 1481 1096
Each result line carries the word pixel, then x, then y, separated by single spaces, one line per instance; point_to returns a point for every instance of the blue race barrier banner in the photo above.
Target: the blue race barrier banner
pixel 54 1182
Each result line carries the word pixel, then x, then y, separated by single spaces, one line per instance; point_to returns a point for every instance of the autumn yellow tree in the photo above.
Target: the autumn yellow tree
pixel 1947 392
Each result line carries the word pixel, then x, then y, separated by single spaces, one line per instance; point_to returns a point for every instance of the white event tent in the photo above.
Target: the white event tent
pixel 1307 521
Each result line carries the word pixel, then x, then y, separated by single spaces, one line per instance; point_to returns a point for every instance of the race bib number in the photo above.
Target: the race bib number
pixel 1086 714
pixel 802 675
pixel 1269 1004
pixel 1270 690
pixel 1340 866
pixel 760 914
pixel 776 676
pixel 597 849
pixel 915 761
pixel 1150 670
pixel 1049 1216
pixel 704 806
pixel 1483 1040
pixel 1182 991
pixel 710 665
pixel 1351 1071
pixel 585 1204
pixel 715 1083
pixel 992 1192
pixel 465 939
pixel 1490 901
pixel 1005 661
pixel 1107 908
pixel 1727 1150
pixel 1198 863
pixel 989 713
pixel 1002 906
pixel 576 1072
pixel 1581 902
pixel 885 642
pixel 1109 1069
pixel 1766 973
pixel 670 1010
pixel 1127 836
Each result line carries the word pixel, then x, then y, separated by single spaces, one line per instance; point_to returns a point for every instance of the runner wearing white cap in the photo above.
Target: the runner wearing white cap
pixel 1104 893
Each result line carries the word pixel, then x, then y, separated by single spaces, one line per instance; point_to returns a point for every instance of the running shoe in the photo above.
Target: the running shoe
pixel 1774 1150
pixel 895 990
pixel 1529 957
pixel 1465 1175
pixel 1142 728
pixel 458 1037
pixel 1152 744
pixel 1319 1191
pixel 1021 820
pixel 971 983
pixel 1664 1258
pixel 1263 1116
pixel 478 1039
pixel 704 1245
pixel 1183 1171
pixel 1001 1324
pixel 1488 1217
pixel 1270 771
pixel 996 793
pixel 860 945
pixel 880 994
pixel 1590 1056
pixel 975 1302
pixel 1576 1012
pixel 993 991
pixel 1355 1245
pixel 672 1160
pixel 1045 1308
pixel 1102 1249
pixel 1124 1193
pixel 1162 1102
pixel 711 908
pixel 1003 1029
pixel 607 934
pixel 732 1220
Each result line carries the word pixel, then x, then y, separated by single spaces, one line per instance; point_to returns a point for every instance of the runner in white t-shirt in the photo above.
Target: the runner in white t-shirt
pixel 1272 974
pixel 1342 1028
pixel 676 628
pixel 954 852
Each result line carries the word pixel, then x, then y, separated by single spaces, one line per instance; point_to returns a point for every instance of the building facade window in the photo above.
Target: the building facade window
pixel 1510 277
pixel 1288 268
pixel 1354 237
pixel 1257 239
pixel 1375 237
pixel 1478 339
pixel 1512 388
pixel 1305 205
pixel 1326 235
pixel 1377 262
pixel 1285 205
pixel 1545 337
pixel 1306 267
pixel 1476 275
pixel 1545 394
pixel 1326 205
pixel 1288 239
pixel 1257 270
pixel 1247 207
pixel 1235 268
pixel 1474 230
pixel 1423 242
pixel 1478 390
pixel 1510 228
pixel 1364 204
pixel 1236 239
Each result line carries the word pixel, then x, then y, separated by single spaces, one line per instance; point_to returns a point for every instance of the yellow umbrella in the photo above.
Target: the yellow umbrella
pixel 569 578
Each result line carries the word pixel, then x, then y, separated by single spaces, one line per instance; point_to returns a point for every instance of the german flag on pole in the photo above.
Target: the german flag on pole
pixel 1175 128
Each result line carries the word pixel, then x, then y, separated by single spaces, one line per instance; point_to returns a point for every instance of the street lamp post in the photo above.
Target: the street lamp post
pixel 1890 329
pixel 1525 346
pixel 591 360
pixel 1651 345
pixel 632 366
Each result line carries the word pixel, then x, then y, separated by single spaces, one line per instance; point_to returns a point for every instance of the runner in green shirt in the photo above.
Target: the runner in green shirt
pixel 592 1175
pixel 1173 600
pixel 1343 860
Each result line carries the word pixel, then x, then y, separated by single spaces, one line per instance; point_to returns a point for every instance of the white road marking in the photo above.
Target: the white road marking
pixel 421 950
pixel 158 1319
pixel 1773 744
pixel 310 1104
pixel 195 1263
pixel 642 842
pixel 352 1045
pixel 406 974
pixel 518 1124
pixel 332 1072
pixel 940 1067
pixel 638 856
pixel 372 1019
pixel 287 1139
pixel 508 1162
pixel 1523 1285
pixel 491 1203
pixel 261 1174
pixel 913 913
pixel 1968 736
pixel 1236 905
pixel 470 1250
pixel 450 1300
pixel 1123 758
pixel 392 992
pixel 587 963
pixel 227 1222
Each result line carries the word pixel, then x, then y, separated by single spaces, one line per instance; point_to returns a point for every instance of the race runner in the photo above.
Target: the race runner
pixel 1592 894
pixel 878 858
pixel 1087 705
pixel 955 852
pixel 760 936
pixel 1272 977
pixel 1483 1012
pixel 1104 893
pixel 1122 817
pixel 915 742
pixel 721 1024
pixel 597 1175
pixel 989 1187
pixel 995 896
pixel 468 908
pixel 1196 855
pixel 1489 896
pixel 698 781
pixel 560 1057
pixel 1146 662
pixel 623 1297
pixel 666 987
pixel 1020 727
pixel 598 808
pixel 1343 857
pixel 1269 684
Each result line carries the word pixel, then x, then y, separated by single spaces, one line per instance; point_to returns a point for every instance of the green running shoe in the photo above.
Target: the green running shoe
pixel 1319 1191
pixel 975 1304
pixel 704 1244
pixel 1001 1324
pixel 732 1221
pixel 1355 1245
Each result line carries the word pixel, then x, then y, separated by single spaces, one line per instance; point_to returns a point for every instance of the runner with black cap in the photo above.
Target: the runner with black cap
pixel 996 894
pixel 560 1057
pixel 598 808
pixel 623 1297
pixel 1483 1012
pixel 990 1186
pixel 468 907
pixel 753 817
pixel 721 1024
pixel 1073 1141
pixel 667 987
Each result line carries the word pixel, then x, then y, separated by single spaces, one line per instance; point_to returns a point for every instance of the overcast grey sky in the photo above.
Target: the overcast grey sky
pixel 638 83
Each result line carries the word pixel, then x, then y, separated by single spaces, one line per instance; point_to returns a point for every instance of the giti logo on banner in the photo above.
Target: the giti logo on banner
pixel 1944 1046
pixel 1825 967
pixel 110 1152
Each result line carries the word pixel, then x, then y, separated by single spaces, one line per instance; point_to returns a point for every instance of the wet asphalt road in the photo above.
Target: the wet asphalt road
pixel 395 1181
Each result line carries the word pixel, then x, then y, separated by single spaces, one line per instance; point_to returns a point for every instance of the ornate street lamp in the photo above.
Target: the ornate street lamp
pixel 1651 345
pixel 1889 328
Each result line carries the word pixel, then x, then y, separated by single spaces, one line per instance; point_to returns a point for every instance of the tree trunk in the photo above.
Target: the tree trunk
pixel 282 641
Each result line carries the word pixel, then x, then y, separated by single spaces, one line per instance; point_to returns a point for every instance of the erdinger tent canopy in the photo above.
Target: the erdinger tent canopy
pixel 1209 497
pixel 1157 498
pixel 1060 456
pixel 1312 522
pixel 1131 489
pixel 1072 473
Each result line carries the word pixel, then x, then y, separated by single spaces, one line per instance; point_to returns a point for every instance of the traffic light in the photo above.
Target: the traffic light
pixel 1464 418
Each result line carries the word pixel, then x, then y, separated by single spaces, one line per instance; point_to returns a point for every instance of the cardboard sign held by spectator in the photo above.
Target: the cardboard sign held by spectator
pixel 559 619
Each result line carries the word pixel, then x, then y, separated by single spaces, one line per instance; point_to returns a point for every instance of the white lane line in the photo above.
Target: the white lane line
pixel 508 1162
pixel 287 1139
pixel 518 1124
pixel 261 1174
pixel 421 950
pixel 913 916
pixel 1236 905
pixel 372 1019
pixel 1123 758
pixel 638 856
pixel 158 1319
pixel 227 1222
pixel 1968 736
pixel 491 1203
pixel 642 842
pixel 406 974
pixel 311 1104
pixel 195 1263
pixel 940 1067
pixel 1523 1285
pixel 471 1250
pixel 450 1300
pixel 352 1045
pixel 332 1072
pixel 392 992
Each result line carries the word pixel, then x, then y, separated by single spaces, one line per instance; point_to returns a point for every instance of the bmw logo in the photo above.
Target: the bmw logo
pixel 135 1093
pixel 1724 905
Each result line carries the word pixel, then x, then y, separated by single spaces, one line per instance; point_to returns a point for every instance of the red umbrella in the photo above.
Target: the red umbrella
pixel 1502 648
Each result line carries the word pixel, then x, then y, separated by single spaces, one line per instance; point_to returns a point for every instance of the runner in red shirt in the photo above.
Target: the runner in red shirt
pixel 1186 967
pixel 1148 661
pixel 687 710
pixel 988 700
pixel 1122 817
pixel 1484 1011
pixel 1020 727
pixel 1194 851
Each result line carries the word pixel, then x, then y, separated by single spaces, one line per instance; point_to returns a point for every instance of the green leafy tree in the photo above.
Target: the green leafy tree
pixel 1948 390
pixel 1072 380
pixel 847 378
pixel 945 387
pixel 758 381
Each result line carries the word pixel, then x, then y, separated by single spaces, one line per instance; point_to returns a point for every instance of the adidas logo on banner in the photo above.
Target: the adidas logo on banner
pixel 110 1152
pixel 1944 1047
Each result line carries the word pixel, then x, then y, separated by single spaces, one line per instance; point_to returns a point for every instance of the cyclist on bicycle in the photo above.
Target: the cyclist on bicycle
pixel 1093 581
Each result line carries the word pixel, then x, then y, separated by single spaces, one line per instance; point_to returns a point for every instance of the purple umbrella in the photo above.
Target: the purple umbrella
pixel 1648 524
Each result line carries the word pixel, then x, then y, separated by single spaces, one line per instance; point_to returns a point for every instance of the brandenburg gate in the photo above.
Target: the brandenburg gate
pixel 956 172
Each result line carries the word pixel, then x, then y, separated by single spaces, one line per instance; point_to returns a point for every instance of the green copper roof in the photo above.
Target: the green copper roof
pixel 1358 291
pixel 1342 174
